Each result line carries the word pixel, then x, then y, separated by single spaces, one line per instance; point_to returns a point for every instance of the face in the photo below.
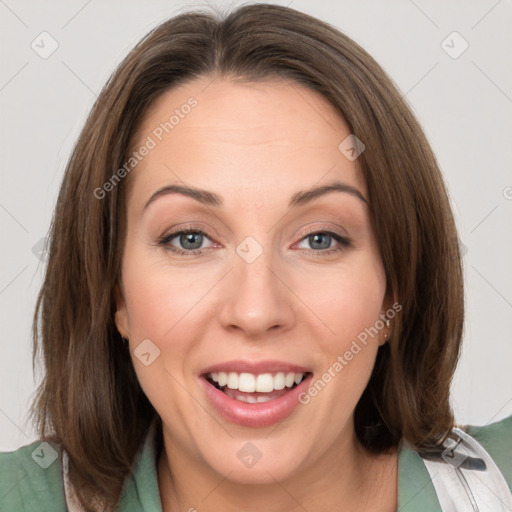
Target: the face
pixel 250 326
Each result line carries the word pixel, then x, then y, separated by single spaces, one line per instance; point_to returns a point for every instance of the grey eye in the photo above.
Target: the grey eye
pixel 191 241
pixel 320 241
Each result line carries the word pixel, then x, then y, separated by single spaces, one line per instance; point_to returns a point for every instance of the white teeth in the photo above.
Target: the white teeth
pixel 289 380
pixel 233 380
pixel 247 383
pixel 263 383
pixel 279 381
pixel 223 379
pixel 249 399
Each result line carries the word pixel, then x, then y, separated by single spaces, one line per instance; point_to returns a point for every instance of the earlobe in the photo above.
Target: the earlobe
pixel 121 315
pixel 387 320
pixel 384 338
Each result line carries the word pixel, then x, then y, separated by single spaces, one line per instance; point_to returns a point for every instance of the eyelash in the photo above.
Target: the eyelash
pixel 344 243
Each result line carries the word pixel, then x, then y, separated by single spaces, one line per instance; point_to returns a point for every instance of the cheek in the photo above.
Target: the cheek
pixel 157 301
pixel 158 296
pixel 347 300
pixel 167 304
pixel 161 302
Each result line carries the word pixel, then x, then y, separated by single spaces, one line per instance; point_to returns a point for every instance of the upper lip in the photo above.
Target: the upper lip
pixel 255 367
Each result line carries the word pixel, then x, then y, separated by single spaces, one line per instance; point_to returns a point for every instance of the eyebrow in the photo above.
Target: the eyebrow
pixel 298 199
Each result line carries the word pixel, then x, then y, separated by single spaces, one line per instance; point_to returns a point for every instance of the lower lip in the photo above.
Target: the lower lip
pixel 255 415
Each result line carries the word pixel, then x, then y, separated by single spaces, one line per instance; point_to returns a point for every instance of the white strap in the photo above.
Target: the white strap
pixel 466 478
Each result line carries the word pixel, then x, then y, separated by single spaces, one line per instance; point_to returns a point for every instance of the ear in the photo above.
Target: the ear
pixel 121 315
pixel 387 305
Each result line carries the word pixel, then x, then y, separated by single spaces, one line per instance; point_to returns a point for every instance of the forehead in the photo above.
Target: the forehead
pixel 243 138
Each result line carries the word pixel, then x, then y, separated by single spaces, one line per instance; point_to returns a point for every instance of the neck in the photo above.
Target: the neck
pixel 344 478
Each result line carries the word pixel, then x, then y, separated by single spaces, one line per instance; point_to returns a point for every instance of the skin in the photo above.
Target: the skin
pixel 255 145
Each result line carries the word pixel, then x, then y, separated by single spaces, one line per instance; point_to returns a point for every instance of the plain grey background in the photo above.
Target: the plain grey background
pixel 461 96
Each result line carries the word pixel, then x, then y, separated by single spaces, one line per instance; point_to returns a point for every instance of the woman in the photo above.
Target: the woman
pixel 254 295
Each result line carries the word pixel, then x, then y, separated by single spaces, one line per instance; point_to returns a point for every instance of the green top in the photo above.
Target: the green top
pixel 31 477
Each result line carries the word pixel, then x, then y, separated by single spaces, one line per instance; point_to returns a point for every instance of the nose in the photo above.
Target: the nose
pixel 256 298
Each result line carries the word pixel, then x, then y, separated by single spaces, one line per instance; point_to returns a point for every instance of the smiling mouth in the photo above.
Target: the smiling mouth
pixel 254 389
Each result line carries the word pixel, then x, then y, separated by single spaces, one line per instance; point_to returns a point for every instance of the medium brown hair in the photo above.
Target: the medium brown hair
pixel 90 400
